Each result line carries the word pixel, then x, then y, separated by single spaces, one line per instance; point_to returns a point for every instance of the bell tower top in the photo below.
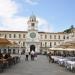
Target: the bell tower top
pixel 32 22
pixel 32 18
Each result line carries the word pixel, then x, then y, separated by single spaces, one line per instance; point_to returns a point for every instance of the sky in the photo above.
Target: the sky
pixel 52 15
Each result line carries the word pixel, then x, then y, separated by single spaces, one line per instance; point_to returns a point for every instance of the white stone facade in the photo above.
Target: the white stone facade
pixel 33 39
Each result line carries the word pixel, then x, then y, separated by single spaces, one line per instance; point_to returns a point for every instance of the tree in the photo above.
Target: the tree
pixel 72 26
pixel 70 29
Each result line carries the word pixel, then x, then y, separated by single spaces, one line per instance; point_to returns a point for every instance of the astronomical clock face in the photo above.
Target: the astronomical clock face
pixel 32 35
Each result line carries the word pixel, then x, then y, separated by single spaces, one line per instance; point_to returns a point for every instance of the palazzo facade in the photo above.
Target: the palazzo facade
pixel 32 39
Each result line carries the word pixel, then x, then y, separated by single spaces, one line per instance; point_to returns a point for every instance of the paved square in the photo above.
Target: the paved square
pixel 37 67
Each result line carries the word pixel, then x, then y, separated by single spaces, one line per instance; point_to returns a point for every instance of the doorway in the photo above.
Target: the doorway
pixel 32 47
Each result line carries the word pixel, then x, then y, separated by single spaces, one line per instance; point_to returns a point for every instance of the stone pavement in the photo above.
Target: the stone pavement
pixel 40 66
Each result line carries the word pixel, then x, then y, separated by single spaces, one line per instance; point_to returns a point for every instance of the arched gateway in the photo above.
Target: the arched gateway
pixel 32 47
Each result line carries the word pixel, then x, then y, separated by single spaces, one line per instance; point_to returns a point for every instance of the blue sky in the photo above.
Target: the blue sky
pixel 54 15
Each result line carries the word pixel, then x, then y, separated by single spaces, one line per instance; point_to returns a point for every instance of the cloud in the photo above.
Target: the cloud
pixel 20 23
pixel 32 2
pixel 8 20
pixel 43 25
pixel 7 8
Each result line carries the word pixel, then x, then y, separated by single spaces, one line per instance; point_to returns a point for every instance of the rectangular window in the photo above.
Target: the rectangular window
pixel 23 43
pixel 45 44
pixel 9 50
pixel 5 36
pixel 4 51
pixel 41 36
pixel 59 37
pixel 19 35
pixel 54 43
pixel 50 37
pixel 14 51
pixel 9 35
pixel 45 36
pixel 64 37
pixel 23 35
pixel 67 37
pixel 50 44
pixel 41 44
pixel 0 50
pixel 0 35
pixel 14 35
pixel 54 36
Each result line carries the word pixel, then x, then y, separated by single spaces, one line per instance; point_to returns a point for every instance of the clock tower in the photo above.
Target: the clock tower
pixel 32 37
pixel 32 23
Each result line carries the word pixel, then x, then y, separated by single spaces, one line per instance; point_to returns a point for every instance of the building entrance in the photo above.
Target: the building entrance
pixel 32 47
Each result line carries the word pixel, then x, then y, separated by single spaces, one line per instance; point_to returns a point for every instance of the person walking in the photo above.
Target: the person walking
pixel 32 55
pixel 27 55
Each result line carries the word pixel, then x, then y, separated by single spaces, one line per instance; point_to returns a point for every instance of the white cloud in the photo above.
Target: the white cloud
pixel 7 8
pixel 32 2
pixel 20 23
pixel 10 22
pixel 43 25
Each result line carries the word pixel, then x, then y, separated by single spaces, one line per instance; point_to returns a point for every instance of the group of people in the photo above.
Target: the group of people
pixel 32 54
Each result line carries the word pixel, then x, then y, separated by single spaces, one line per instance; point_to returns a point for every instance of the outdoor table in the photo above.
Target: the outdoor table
pixel 70 65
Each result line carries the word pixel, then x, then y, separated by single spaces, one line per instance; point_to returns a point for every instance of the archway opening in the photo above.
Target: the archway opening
pixel 32 47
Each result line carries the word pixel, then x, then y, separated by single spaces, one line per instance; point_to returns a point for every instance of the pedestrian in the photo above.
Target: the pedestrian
pixel 27 55
pixel 49 55
pixel 32 55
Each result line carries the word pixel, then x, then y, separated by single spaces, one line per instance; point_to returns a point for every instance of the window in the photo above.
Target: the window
pixel 67 37
pixel 45 44
pixel 54 43
pixel 14 35
pixel 54 36
pixel 41 36
pixel 5 36
pixel 0 50
pixel 23 35
pixel 14 51
pixel 33 24
pixel 64 37
pixel 0 34
pixel 19 35
pixel 59 37
pixel 9 35
pixel 45 36
pixel 50 44
pixel 9 50
pixel 41 44
pixel 50 37
pixel 23 43
pixel 4 51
